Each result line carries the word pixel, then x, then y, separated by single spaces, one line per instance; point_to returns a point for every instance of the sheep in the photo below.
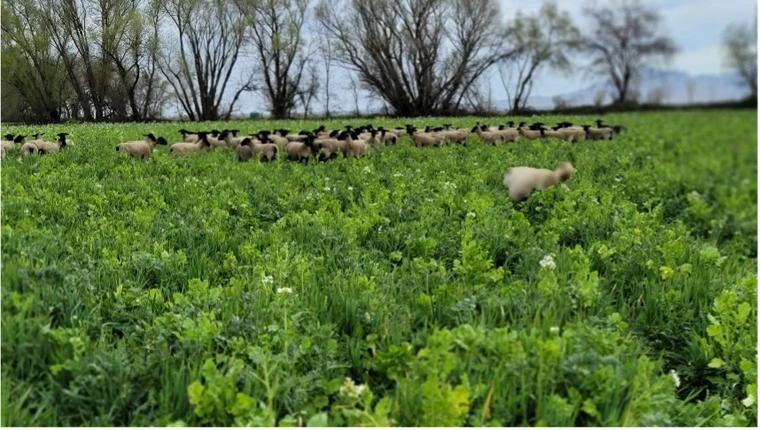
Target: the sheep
pixel 388 136
pixel 183 148
pixel 492 137
pixel 48 147
pixel 354 146
pixel 557 134
pixel 328 148
pixel 26 147
pixel 485 127
pixel 508 134
pixel 521 181
pixel 37 138
pixel 281 141
pixel 189 136
pixel 8 144
pixel 141 148
pixel 29 148
pixel 598 133
pixel 424 139
pixel 528 133
pixel 263 151
pixel 215 139
pixel 617 128
pixel 229 139
pixel 302 151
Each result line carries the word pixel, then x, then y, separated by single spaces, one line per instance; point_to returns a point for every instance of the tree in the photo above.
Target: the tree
pixel 419 56
pixel 326 51
pixel 740 53
pixel 275 28
pixel 624 38
pixel 544 39
pixel 101 48
pixel 70 24
pixel 128 39
pixel 308 91
pixel 32 70
pixel 209 36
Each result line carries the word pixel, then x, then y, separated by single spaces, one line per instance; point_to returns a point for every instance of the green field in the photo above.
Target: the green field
pixel 203 291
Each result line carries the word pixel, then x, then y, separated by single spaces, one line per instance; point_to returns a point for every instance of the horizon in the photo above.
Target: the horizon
pixel 698 39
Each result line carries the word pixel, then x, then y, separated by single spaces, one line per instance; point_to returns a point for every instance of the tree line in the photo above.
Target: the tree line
pixel 134 60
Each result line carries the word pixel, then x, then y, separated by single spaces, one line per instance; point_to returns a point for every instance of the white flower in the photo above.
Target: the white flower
pixel 676 379
pixel 554 329
pixel 470 214
pixel 397 175
pixel 617 179
pixel 367 169
pixel 448 184
pixel 350 188
pixel 326 188
pixel 285 290
pixel 267 280
pixel 548 262
pixel 350 389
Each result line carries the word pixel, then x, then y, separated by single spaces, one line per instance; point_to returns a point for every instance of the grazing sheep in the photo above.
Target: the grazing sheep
pixel 29 148
pixel 492 137
pixel 617 128
pixel 26 147
pixel 244 151
pixel 228 137
pixel 37 138
pixel 7 143
pixel 183 148
pixel 354 146
pixel 189 136
pixel 251 148
pixel 215 139
pixel 424 139
pixel 598 133
pixel 557 134
pixel 508 134
pixel 528 133
pixel 389 136
pixel 521 181
pixel 302 151
pixel 281 141
pixel 328 148
pixel 48 147
pixel 141 148
pixel 264 151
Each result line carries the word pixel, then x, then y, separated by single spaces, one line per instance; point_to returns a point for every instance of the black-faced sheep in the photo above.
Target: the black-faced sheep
pixel 141 148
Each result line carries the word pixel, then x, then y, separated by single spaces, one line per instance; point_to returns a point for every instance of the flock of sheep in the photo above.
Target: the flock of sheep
pixel 323 144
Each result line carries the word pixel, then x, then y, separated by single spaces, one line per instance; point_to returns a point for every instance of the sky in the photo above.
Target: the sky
pixel 695 25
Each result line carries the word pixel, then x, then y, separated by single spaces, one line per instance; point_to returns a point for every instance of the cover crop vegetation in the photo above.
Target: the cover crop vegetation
pixel 401 288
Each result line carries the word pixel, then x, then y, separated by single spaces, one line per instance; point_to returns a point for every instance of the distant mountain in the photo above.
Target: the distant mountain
pixel 673 84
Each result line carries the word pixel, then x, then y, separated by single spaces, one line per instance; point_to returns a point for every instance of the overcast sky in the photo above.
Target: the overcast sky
pixel 695 25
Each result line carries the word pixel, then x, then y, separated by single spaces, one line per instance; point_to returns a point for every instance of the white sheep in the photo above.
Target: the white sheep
pixel 521 180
